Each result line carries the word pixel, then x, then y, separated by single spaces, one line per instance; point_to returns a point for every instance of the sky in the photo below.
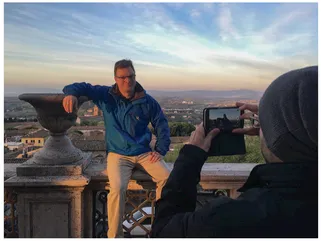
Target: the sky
pixel 174 46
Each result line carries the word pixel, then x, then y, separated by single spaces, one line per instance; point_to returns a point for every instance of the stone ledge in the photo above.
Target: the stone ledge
pixel 31 169
pixel 221 172
pixel 39 181
pixel 43 170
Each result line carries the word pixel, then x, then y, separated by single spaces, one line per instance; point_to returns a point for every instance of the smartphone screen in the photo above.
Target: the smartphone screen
pixel 226 119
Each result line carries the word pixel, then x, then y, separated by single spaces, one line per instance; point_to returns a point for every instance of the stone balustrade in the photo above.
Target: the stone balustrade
pixel 216 179
pixel 61 192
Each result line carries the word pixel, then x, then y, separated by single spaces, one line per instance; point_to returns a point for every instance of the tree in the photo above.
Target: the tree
pixel 177 128
pixel 101 123
pixel 85 123
pixel 88 123
pixel 180 128
pixel 94 123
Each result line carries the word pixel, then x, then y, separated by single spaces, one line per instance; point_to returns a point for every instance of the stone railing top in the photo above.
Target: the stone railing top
pixel 210 172
pixel 91 145
pixel 102 128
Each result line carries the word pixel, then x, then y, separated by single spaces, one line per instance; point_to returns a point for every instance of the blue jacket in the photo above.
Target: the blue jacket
pixel 126 121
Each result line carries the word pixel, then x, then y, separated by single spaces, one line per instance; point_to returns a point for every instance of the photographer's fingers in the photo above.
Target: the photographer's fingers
pixel 247 131
pixel 200 129
pixel 245 106
pixel 239 104
pixel 241 130
pixel 191 138
pixel 212 133
pixel 246 115
pixel 209 138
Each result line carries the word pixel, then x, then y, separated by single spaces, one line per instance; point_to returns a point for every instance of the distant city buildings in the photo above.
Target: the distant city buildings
pixel 23 131
pixel 36 138
pixel 14 146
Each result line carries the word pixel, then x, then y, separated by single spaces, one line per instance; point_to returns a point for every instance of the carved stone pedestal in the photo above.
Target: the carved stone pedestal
pixel 49 207
pixel 50 185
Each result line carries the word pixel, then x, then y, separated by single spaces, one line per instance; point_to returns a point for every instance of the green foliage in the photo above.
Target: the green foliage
pixel 177 128
pixel 89 123
pixel 101 123
pixel 85 123
pixel 253 153
pixel 171 156
pixel 180 128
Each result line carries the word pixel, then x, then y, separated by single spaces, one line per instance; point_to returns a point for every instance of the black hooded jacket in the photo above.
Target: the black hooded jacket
pixel 277 200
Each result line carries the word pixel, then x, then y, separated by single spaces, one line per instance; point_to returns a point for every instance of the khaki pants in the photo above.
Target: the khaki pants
pixel 119 170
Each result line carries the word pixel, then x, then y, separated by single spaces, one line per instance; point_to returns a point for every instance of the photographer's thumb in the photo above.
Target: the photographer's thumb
pixel 211 135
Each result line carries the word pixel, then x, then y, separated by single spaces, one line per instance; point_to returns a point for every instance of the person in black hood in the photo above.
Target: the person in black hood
pixel 279 198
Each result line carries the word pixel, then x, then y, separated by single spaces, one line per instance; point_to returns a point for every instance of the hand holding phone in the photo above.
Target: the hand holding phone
pixel 226 119
pixel 252 115
pixel 200 139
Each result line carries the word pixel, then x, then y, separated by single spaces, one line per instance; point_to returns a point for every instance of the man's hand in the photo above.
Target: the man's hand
pixel 70 103
pixel 155 157
pixel 252 109
pixel 199 139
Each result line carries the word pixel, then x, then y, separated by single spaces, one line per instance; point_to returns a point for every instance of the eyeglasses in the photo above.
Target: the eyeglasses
pixel 133 76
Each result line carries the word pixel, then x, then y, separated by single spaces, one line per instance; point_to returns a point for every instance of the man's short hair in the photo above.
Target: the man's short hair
pixel 124 63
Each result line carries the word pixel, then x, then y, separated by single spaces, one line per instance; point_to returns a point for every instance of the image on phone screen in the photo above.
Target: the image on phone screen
pixel 224 119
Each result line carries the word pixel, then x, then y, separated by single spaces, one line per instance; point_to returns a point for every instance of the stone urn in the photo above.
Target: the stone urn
pixel 58 149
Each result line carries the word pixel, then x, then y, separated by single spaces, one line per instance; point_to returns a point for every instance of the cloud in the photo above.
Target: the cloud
pixel 208 6
pixel 195 13
pixel 225 23
pixel 27 14
pixel 171 40
pixel 272 32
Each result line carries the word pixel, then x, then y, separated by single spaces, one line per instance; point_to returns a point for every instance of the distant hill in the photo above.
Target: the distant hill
pixel 195 94
pixel 209 94
pixel 15 92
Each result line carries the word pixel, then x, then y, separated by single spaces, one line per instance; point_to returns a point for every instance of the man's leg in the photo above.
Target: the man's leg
pixel 159 171
pixel 119 171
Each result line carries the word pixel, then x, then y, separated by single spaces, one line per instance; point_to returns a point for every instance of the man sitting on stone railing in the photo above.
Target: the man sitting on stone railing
pixel 127 110
pixel 280 198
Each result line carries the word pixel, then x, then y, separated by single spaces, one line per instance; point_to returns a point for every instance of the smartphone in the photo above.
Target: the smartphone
pixel 226 119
